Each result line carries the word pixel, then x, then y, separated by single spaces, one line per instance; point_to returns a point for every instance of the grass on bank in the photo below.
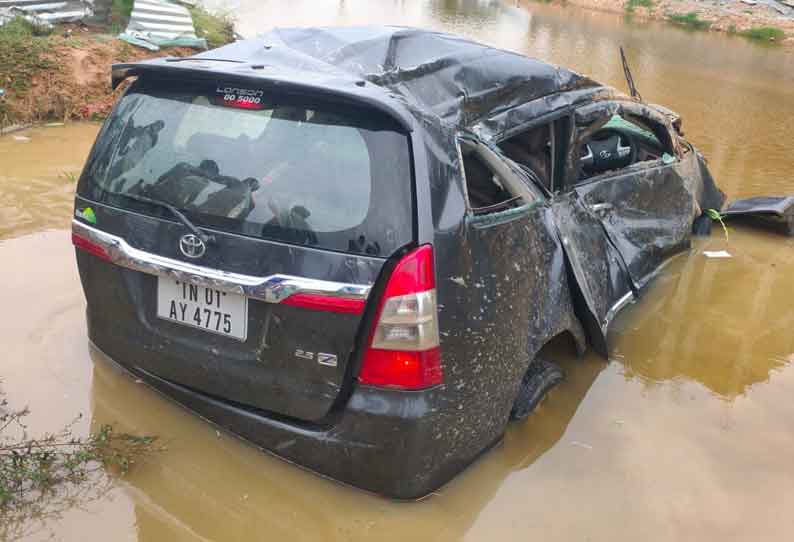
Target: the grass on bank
pixel 763 33
pixel 120 11
pixel 121 8
pixel 689 20
pixel 29 55
pixel 216 28
pixel 631 5
pixel 22 54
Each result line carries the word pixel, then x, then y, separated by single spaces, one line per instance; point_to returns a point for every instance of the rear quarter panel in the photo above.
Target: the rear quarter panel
pixel 503 292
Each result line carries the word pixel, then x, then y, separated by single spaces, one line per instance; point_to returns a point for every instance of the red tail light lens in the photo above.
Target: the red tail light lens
pixel 88 246
pixel 326 303
pixel 404 351
pixel 402 369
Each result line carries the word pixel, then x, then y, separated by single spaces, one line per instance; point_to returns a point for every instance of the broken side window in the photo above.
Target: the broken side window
pixel 541 149
pixel 491 186
pixel 534 149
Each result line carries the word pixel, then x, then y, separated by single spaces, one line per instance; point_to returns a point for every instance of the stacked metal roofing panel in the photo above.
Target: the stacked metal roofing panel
pixel 157 23
pixel 161 19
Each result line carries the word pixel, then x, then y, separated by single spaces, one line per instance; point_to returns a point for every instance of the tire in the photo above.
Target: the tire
pixel 541 376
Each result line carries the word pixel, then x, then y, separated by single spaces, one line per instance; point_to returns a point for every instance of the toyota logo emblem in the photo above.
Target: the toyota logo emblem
pixel 191 246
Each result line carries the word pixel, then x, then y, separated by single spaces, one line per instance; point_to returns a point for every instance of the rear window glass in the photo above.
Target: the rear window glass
pixel 264 166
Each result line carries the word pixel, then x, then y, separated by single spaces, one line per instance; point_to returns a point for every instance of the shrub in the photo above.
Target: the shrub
pixel 763 33
pixel 631 5
pixel 217 29
pixel 22 55
pixel 42 476
pixel 689 20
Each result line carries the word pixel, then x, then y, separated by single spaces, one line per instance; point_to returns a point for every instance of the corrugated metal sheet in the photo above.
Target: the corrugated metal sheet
pixel 161 19
pixel 161 23
pixel 46 11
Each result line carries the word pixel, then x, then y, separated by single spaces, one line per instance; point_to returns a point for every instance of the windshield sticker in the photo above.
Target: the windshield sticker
pixel 241 98
pixel 86 214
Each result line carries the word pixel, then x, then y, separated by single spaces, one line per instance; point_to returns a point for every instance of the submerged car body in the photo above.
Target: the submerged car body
pixel 348 245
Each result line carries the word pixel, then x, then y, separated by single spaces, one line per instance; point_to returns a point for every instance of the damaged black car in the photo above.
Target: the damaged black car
pixel 349 245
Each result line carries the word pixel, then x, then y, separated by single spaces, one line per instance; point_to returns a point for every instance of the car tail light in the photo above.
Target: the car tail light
pixel 326 303
pixel 403 350
pixel 89 246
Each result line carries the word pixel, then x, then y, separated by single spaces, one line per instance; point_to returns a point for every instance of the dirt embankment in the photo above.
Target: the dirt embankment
pixel 65 76
pixel 761 20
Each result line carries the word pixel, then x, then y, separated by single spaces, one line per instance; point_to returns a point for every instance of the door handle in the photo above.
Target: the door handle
pixel 596 207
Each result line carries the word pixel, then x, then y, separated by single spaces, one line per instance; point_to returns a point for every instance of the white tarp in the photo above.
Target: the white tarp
pixel 157 23
pixel 46 12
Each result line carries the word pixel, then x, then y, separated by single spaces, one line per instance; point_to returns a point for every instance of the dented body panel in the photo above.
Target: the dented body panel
pixel 775 212
pixel 561 261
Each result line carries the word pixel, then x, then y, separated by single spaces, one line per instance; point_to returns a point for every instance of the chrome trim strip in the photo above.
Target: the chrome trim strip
pixel 619 304
pixel 643 282
pixel 272 289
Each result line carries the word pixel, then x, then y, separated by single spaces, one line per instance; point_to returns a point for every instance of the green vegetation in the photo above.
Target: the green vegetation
pixel 216 28
pixel 22 54
pixel 689 20
pixel 717 216
pixel 41 477
pixel 631 5
pixel 763 33
pixel 121 9
pixel 37 87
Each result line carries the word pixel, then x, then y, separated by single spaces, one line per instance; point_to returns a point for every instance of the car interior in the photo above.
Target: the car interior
pixel 487 192
pixel 533 149
pixel 618 144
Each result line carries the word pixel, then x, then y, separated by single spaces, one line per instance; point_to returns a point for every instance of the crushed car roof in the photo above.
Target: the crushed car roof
pixel 446 76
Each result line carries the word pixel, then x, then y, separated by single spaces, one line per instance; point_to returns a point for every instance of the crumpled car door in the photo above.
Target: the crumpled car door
pixel 603 283
pixel 647 213
pixel 646 208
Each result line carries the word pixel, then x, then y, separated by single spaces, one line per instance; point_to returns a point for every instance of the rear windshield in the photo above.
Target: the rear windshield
pixel 246 162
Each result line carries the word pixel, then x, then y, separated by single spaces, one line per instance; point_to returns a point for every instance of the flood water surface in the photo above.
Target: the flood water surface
pixel 684 434
pixel 38 169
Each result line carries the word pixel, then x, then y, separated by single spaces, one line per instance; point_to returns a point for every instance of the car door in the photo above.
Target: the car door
pixel 511 291
pixel 641 199
pixel 602 282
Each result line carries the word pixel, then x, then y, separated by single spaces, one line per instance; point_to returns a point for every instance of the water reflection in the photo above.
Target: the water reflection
pixel 471 11
pixel 38 169
pixel 723 323
pixel 207 475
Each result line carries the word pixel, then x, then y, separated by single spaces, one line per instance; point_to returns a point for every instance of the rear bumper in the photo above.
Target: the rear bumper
pixel 386 442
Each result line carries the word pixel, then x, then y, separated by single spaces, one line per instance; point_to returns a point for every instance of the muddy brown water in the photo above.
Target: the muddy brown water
pixel 686 433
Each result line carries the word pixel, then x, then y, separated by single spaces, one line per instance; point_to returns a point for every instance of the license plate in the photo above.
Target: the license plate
pixel 204 308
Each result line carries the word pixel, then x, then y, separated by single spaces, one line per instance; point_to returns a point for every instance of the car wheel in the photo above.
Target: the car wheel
pixel 541 376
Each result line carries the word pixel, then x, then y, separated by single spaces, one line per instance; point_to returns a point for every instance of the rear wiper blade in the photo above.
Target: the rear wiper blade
pixel 207 239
